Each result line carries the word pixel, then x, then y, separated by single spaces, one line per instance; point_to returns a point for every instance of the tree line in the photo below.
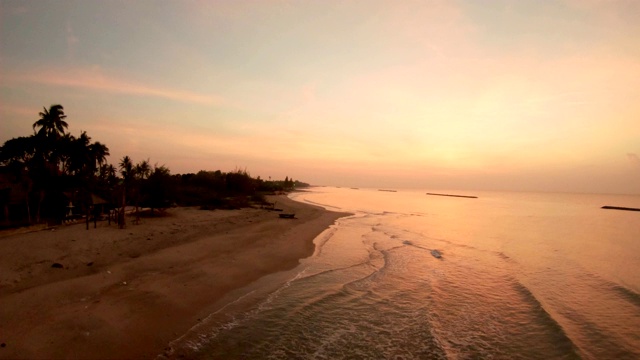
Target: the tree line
pixel 52 175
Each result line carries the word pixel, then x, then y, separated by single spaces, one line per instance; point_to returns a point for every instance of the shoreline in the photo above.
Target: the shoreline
pixel 129 293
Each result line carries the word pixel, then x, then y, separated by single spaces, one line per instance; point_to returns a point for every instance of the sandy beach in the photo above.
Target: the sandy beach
pixel 69 292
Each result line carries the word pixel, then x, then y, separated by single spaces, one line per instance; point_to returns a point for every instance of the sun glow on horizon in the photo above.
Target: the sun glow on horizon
pixel 519 95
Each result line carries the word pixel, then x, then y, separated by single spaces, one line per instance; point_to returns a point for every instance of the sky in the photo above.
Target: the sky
pixel 521 95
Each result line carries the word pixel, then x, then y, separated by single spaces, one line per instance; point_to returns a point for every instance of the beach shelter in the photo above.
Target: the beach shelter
pixel 99 204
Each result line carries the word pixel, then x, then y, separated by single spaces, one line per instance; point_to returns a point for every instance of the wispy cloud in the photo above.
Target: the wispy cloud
pixel 18 110
pixel 97 80
pixel 72 42
pixel 14 9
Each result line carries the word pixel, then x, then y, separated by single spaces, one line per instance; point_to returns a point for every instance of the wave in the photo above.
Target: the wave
pixel 329 271
pixel 359 283
pixel 504 257
pixel 601 344
pixel 619 290
pixel 340 293
pixel 562 341
pixel 322 239
pixel 323 205
pixel 194 339
pixel 627 294
pixel 204 332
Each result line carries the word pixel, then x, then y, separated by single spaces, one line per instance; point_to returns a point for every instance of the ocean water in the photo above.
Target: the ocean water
pixel 521 276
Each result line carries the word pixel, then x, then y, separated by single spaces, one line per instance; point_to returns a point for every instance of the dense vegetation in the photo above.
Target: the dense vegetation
pixel 42 174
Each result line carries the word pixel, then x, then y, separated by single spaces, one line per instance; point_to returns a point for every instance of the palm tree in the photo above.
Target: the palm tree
pixel 83 160
pixel 52 128
pixel 99 153
pixel 107 182
pixel 128 172
pixel 142 171
pixel 80 157
pixel 51 122
pixel 64 153
pixel 81 153
pixel 107 175
pixel 46 164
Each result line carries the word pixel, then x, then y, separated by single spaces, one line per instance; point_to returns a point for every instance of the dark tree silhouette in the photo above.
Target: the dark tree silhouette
pixel 142 170
pixel 107 175
pixel 82 157
pixel 51 122
pixel 19 151
pixel 127 172
pixel 17 155
pixel 158 188
pixel 44 168
pixel 52 167
pixel 107 183
pixel 99 153
pixel 126 169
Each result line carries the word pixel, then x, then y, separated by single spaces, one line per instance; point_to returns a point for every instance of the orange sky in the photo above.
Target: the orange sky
pixel 500 95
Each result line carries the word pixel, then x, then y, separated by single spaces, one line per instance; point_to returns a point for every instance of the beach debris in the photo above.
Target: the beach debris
pixel 90 263
pixel 3 345
pixel 287 216
pixel 108 272
pixel 57 266
pixel 124 283
pixel 436 254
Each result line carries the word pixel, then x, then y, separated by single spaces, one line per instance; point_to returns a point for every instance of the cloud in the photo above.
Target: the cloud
pixel 95 79
pixel 14 9
pixel 19 110
pixel 72 42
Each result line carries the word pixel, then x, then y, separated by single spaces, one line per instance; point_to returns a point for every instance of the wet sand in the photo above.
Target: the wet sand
pixel 127 293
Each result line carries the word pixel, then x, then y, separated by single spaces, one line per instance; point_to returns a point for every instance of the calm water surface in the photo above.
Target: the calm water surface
pixel 522 275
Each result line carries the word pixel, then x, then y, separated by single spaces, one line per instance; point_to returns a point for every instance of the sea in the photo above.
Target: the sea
pixel 520 276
